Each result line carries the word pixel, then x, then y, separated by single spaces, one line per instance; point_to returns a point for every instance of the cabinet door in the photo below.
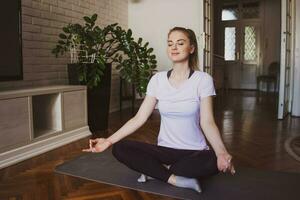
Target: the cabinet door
pixel 14 122
pixel 75 113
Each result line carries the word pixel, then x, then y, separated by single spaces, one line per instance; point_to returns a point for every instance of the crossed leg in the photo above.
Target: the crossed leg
pixel 151 160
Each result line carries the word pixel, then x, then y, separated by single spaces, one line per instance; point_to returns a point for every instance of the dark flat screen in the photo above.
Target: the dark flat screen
pixel 10 41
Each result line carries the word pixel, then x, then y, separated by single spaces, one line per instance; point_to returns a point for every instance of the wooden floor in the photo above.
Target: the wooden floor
pixel 249 128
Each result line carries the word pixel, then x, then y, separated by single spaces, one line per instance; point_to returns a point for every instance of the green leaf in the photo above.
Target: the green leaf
pixel 77 27
pixel 61 42
pixel 87 19
pixel 62 36
pixel 94 17
pixel 152 57
pixel 66 30
pixel 147 73
pixel 129 33
pixel 140 41
pixel 150 50
pixel 98 29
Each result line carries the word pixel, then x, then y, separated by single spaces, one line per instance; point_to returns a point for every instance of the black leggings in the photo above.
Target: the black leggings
pixel 149 159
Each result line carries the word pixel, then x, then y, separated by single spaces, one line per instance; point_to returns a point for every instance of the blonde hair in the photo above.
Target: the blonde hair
pixel 193 58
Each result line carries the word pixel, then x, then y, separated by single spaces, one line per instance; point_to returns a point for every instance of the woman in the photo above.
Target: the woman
pixel 184 98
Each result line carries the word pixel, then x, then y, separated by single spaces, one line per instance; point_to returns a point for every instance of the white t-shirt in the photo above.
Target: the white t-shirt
pixel 180 109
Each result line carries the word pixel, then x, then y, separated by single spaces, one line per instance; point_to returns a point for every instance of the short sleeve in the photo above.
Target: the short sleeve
pixel 206 87
pixel 152 86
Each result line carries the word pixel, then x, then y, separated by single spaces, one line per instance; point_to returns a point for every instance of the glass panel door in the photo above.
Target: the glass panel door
pixel 231 44
pixel 250 51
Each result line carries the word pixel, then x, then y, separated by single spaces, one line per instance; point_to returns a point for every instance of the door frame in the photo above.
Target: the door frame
pixel 285 105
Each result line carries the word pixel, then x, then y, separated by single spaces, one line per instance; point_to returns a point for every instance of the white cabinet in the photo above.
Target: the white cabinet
pixel 74 116
pixel 14 122
pixel 36 120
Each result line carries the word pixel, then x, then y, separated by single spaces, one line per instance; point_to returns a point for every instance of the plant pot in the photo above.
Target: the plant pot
pixel 98 98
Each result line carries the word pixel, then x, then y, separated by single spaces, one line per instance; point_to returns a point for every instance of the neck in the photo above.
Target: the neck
pixel 180 70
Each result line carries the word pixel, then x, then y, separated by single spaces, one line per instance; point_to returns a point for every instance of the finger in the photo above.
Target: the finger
pixel 93 141
pixel 229 160
pixel 228 168
pixel 94 150
pixel 221 167
pixel 224 168
pixel 87 150
pixel 232 170
pixel 90 144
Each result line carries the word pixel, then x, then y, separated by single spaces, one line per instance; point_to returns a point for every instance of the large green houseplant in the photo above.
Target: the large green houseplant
pixel 94 50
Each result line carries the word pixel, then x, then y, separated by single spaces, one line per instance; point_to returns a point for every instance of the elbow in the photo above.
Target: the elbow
pixel 207 124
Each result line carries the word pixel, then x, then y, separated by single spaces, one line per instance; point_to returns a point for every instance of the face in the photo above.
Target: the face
pixel 179 47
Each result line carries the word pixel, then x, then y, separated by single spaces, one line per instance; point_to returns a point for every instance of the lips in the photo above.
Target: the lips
pixel 174 54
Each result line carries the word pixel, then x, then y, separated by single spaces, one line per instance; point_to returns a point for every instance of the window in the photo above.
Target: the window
pixel 249 43
pixel 230 12
pixel 230 43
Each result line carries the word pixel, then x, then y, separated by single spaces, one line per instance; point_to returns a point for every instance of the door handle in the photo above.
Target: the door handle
pixel 237 55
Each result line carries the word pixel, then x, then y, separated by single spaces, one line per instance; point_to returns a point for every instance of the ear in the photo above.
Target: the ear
pixel 192 49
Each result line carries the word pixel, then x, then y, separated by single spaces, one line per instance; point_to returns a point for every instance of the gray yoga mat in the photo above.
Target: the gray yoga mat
pixel 246 184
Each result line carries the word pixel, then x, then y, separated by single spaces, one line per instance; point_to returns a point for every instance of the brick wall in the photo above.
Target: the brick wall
pixel 42 21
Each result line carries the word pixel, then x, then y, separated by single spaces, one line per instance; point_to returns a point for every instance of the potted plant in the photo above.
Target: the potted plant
pixel 93 52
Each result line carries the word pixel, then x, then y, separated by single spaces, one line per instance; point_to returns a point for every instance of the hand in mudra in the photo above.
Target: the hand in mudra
pixel 98 145
pixel 225 163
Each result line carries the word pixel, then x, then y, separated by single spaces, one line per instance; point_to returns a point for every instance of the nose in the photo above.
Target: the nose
pixel 174 46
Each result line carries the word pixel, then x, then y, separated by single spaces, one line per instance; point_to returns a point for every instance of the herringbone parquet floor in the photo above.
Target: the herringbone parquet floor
pixel 249 128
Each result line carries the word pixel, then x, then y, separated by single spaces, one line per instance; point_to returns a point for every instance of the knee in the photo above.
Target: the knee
pixel 119 149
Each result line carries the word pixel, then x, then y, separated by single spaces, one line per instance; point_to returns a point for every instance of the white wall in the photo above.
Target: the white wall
pixel 296 90
pixel 152 19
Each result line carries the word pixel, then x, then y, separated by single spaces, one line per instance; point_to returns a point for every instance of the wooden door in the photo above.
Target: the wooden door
pixel 249 59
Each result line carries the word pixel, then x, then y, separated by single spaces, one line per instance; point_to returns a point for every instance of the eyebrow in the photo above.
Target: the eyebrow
pixel 177 40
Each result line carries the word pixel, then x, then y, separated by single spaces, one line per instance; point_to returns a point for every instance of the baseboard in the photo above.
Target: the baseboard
pixel 28 151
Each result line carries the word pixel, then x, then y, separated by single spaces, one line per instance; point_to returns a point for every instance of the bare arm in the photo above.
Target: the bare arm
pixel 209 126
pixel 212 134
pixel 145 110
